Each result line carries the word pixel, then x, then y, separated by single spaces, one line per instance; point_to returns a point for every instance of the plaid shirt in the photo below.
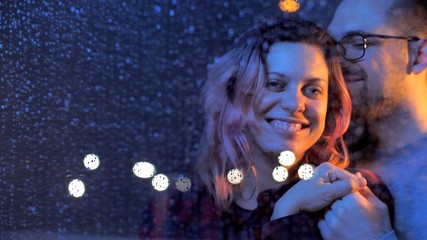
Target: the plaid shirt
pixel 192 215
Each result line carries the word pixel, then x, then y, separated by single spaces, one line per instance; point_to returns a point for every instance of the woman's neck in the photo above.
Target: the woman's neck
pixel 258 180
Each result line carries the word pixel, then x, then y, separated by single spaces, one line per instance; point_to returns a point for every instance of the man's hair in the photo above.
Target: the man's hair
pixel 409 16
pixel 231 95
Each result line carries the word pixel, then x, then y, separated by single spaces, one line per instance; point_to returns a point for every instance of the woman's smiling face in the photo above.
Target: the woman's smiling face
pixel 292 105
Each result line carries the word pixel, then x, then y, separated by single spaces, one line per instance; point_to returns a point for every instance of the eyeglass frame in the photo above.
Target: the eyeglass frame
pixel 365 42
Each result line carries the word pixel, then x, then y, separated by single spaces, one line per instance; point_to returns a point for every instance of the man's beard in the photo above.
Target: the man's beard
pixel 372 111
pixel 374 107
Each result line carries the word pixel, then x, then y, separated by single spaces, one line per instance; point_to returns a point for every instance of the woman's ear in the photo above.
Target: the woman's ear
pixel 419 62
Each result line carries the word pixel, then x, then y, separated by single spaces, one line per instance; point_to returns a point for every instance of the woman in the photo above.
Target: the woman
pixel 280 88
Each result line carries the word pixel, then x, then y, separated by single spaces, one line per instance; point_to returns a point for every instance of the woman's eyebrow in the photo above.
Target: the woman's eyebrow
pixel 317 79
pixel 281 75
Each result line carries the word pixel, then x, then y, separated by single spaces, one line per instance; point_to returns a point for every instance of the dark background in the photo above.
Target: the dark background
pixel 120 79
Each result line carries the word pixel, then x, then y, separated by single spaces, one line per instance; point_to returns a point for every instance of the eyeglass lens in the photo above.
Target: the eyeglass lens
pixel 352 47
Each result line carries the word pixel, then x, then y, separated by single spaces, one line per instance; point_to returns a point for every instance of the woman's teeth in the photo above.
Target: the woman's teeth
pixel 286 125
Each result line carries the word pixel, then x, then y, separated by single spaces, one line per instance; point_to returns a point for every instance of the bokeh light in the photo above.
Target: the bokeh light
pixel 287 158
pixel 76 188
pixel 280 174
pixel 91 161
pixel 235 176
pixel 144 169
pixel 183 184
pixel 289 5
pixel 160 182
pixel 306 171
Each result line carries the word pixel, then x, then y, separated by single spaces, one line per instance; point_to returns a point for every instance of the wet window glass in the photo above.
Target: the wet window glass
pixel 99 106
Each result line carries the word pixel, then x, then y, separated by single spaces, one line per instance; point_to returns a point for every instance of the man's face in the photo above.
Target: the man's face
pixel 375 82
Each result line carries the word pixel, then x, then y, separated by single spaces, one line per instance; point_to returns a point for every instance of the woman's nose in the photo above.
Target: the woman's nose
pixel 293 101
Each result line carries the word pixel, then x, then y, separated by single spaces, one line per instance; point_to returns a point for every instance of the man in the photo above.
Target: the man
pixel 384 49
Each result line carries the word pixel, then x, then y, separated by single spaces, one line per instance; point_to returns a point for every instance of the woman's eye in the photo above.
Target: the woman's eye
pixel 275 85
pixel 313 91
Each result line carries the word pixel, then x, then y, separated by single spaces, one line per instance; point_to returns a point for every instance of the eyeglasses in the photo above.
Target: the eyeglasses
pixel 353 46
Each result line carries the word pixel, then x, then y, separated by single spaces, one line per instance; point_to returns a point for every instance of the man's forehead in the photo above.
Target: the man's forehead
pixel 359 16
